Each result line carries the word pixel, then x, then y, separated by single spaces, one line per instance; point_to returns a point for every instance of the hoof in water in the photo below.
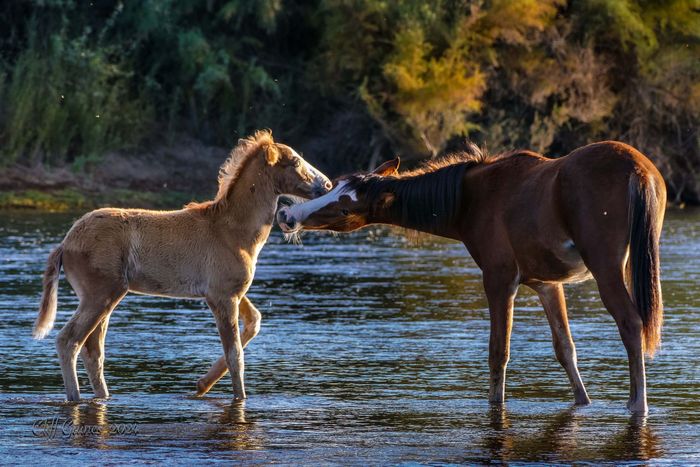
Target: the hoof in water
pixel 202 388
pixel 582 400
pixel 638 407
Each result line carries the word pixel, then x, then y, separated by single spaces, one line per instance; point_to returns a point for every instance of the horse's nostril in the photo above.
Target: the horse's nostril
pixel 328 185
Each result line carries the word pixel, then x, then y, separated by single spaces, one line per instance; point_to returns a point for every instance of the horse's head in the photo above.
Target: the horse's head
pixel 292 175
pixel 343 209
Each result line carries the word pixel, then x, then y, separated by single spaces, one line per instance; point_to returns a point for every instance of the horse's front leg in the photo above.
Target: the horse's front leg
pixel 225 311
pixel 251 326
pixel 500 292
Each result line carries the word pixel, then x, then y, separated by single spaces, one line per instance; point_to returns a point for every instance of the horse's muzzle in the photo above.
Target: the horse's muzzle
pixel 321 186
pixel 286 222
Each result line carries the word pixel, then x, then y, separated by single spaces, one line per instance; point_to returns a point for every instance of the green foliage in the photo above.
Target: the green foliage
pixel 377 76
pixel 432 94
pixel 68 100
pixel 62 200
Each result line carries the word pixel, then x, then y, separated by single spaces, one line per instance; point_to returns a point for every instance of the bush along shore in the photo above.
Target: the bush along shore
pixel 349 83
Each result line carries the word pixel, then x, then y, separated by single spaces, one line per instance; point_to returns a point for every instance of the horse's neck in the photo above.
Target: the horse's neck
pixel 411 199
pixel 250 211
pixel 446 231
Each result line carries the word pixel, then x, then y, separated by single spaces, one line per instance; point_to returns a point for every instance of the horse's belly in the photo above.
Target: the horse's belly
pixel 578 274
pixel 561 264
pixel 572 266
pixel 163 281
pixel 156 287
pixel 147 289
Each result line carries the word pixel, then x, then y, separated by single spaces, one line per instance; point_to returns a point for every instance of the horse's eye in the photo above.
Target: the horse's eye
pixel 345 212
pixel 297 162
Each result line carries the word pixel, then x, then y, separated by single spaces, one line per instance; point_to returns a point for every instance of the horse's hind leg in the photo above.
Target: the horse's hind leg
pixel 554 303
pixel 93 357
pixel 92 310
pixel 251 318
pixel 617 300
pixel 606 256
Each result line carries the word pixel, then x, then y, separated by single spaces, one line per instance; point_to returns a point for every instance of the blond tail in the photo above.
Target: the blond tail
pixel 47 311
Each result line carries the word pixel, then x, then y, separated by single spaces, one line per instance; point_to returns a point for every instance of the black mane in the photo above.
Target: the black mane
pixel 424 200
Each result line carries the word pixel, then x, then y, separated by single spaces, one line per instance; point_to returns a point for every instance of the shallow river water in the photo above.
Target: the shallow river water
pixel 373 350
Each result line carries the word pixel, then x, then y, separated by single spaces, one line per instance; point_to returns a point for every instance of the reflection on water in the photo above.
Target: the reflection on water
pixel 559 439
pixel 372 350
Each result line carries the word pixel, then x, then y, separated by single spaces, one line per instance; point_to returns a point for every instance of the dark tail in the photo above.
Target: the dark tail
pixel 644 267
pixel 47 310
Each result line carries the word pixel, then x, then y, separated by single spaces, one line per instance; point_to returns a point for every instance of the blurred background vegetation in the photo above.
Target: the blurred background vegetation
pixel 352 82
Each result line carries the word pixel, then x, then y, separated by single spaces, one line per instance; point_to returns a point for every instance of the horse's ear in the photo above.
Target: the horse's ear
pixel 272 155
pixel 388 168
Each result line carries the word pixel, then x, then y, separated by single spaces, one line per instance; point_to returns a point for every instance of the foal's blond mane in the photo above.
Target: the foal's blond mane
pixel 231 168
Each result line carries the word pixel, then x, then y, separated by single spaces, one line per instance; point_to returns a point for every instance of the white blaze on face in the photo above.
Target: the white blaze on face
pixel 301 211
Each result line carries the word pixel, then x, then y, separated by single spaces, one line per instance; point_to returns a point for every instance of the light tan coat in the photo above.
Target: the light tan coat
pixel 206 250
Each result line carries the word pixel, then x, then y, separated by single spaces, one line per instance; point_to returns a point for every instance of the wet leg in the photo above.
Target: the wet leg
pixel 500 295
pixel 554 303
pixel 251 318
pixel 93 355
pixel 90 313
pixel 616 299
pixel 226 315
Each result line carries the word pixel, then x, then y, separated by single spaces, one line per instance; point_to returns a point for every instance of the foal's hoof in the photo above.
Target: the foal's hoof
pixel 73 399
pixel 104 394
pixel 202 388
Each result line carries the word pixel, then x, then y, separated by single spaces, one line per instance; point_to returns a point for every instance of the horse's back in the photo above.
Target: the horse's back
pixel 608 161
pixel 595 180
pixel 110 227
pixel 105 241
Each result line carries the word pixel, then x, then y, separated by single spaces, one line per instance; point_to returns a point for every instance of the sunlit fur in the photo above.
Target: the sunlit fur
pixel 232 167
pixel 206 250
pixel 527 219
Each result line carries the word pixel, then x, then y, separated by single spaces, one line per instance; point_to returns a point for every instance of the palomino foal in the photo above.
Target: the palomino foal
pixel 526 219
pixel 206 250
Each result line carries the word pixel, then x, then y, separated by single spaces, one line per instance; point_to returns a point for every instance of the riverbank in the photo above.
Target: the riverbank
pixel 164 176
pixel 161 177
pixel 72 199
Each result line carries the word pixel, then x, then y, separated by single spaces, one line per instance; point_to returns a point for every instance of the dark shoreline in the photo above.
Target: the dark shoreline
pixel 160 177
pixel 72 199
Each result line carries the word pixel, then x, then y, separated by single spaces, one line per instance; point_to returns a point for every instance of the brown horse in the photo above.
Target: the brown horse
pixel 527 219
pixel 206 250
